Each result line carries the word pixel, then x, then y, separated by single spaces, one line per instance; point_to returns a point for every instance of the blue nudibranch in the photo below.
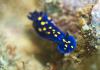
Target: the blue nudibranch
pixel 45 27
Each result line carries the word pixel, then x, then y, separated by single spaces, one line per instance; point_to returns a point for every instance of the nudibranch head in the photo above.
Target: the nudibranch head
pixel 34 15
pixel 37 16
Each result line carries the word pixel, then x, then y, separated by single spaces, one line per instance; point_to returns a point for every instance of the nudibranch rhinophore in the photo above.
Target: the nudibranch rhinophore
pixel 46 28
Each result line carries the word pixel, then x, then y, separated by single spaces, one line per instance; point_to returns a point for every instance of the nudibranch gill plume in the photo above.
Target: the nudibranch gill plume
pixel 46 28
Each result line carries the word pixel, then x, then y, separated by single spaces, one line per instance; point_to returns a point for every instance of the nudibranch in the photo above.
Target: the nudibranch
pixel 46 28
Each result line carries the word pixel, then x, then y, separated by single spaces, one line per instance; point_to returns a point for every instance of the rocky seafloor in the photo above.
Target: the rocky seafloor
pixel 22 49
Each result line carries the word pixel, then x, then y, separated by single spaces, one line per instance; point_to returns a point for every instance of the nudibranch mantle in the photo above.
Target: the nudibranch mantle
pixel 45 27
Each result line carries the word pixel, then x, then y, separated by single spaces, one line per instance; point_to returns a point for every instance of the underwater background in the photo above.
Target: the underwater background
pixel 22 49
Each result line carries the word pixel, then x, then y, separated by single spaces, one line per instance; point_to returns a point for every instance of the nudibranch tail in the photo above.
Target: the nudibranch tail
pixel 69 47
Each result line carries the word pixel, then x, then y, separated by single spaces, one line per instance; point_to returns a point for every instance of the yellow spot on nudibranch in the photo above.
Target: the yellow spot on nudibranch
pixel 58 32
pixel 39 29
pixel 66 45
pixel 68 42
pixel 53 30
pixel 48 32
pixel 44 29
pixel 64 40
pixel 50 27
pixel 72 47
pixel 42 23
pixel 46 22
pixel 39 18
pixel 55 35
pixel 49 18
pixel 65 48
